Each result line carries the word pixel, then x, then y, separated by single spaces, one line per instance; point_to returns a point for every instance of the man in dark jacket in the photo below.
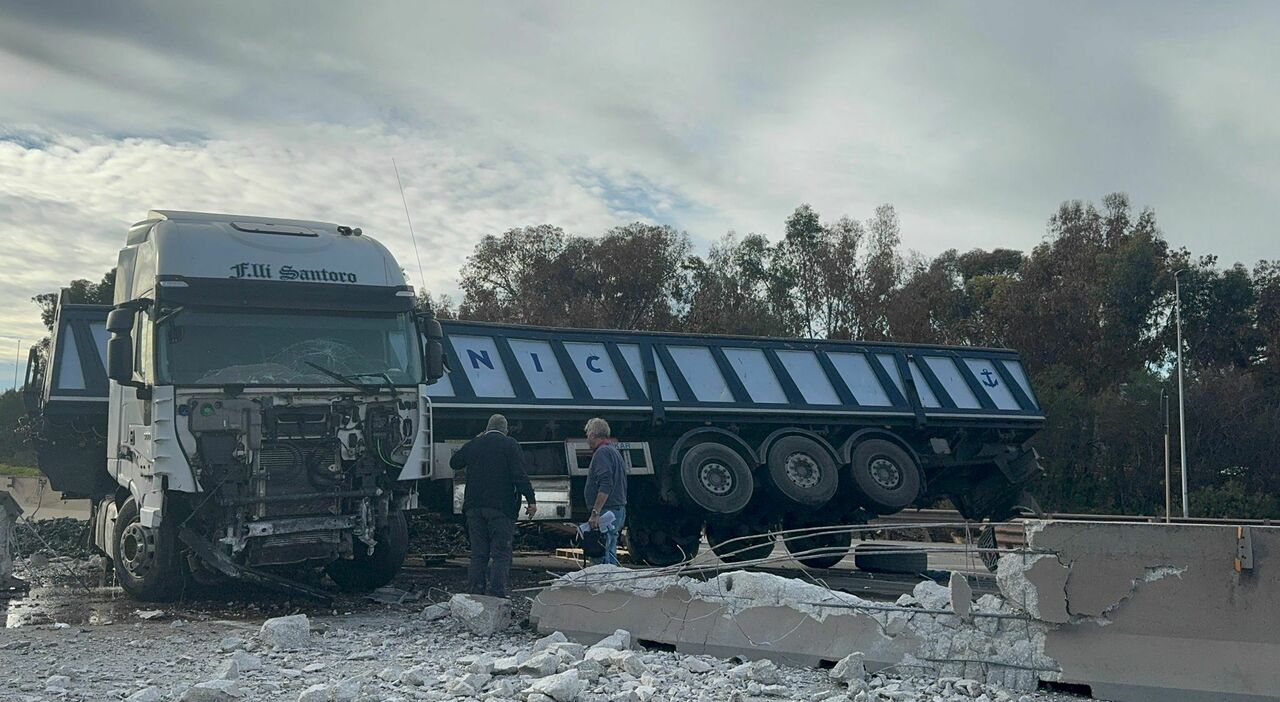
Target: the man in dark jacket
pixel 495 481
pixel 606 489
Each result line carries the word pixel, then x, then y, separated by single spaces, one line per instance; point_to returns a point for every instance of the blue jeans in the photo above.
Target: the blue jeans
pixel 611 535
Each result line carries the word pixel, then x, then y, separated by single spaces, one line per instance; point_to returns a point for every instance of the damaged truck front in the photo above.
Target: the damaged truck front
pixel 257 392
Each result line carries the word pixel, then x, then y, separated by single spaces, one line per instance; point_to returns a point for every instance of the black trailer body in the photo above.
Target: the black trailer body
pixel 67 401
pixel 745 433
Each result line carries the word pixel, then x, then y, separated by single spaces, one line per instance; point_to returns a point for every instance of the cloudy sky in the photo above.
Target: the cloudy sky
pixel 974 119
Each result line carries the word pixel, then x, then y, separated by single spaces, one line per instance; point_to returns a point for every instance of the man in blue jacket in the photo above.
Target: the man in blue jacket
pixel 606 489
pixel 495 481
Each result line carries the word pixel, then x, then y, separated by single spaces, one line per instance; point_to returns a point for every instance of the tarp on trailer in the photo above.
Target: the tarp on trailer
pixel 511 366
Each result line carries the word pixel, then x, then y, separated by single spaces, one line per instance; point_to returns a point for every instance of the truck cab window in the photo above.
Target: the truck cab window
pixel 207 347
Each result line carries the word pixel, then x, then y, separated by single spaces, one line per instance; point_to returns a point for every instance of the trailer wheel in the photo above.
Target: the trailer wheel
pixel 886 477
pixel 802 471
pixel 740 540
pixel 662 540
pixel 715 478
pixel 830 546
pixel 365 571
pixel 890 558
pixel 147 560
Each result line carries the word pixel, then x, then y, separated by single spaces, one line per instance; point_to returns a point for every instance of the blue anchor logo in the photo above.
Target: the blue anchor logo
pixel 989 380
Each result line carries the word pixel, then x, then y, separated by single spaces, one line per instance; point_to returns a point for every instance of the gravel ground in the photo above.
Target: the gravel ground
pixel 75 638
pixel 397 654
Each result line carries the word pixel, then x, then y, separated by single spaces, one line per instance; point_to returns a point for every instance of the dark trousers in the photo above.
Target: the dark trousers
pixel 490 532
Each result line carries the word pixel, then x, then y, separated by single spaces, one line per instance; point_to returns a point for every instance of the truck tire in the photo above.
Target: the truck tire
pixel 885 476
pixel 890 558
pixel 365 571
pixel 802 471
pixel 148 562
pixel 715 478
pixel 656 541
pixel 833 545
pixel 739 540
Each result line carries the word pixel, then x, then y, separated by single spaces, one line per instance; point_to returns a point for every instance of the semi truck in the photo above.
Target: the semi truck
pixel 262 398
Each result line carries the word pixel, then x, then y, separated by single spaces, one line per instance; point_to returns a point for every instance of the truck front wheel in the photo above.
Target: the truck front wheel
pixel 147 560
pixel 370 571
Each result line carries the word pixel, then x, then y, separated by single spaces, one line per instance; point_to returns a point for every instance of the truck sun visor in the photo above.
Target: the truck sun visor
pixel 231 292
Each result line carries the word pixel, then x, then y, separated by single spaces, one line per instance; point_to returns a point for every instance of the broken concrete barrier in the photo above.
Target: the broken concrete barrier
pixel 1133 612
pixel 9 513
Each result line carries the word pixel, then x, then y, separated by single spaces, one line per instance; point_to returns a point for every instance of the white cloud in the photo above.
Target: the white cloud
pixel 69 201
pixel 975 120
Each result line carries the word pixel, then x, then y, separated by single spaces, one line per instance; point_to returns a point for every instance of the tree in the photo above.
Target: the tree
pixel 78 291
pixel 1093 291
pixel 630 278
pixel 508 276
pixel 728 291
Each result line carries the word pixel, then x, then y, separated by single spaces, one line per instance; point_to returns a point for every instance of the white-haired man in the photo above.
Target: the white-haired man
pixel 606 489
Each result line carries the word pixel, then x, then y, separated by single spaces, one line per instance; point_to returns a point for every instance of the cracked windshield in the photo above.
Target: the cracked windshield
pixel 208 348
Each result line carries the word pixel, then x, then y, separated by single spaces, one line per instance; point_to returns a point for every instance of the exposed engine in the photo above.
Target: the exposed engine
pixel 284 481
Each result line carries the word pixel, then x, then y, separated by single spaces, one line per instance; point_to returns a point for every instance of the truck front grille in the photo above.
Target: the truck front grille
pixel 286 468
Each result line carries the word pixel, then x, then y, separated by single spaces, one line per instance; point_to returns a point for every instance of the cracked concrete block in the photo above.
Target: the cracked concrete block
pixel 1035 584
pixel 961 596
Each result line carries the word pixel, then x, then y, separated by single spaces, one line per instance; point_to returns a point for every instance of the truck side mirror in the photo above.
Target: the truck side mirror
pixel 120 345
pixel 434 350
pixel 433 354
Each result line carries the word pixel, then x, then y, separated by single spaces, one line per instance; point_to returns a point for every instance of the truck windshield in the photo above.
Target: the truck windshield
pixel 275 348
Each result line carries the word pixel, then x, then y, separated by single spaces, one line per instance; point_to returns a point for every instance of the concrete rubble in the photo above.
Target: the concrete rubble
pixel 395 656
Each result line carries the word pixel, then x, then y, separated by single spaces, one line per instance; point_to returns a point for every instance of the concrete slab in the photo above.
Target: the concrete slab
pixel 39 501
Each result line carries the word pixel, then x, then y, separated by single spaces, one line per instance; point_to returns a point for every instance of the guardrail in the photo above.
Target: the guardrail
pixel 943 516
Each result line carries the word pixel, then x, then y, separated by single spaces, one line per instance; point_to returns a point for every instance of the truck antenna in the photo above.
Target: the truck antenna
pixel 421 277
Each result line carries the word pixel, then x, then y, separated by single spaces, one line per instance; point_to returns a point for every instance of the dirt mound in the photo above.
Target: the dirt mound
pixel 63 536
pixel 431 533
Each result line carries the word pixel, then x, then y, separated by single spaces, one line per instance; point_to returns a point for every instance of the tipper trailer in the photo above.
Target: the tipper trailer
pixel 262 396
pixel 735 436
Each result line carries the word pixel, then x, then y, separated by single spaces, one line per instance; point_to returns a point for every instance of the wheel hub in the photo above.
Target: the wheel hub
pixel 137 550
pixel 716 478
pixel 802 470
pixel 885 472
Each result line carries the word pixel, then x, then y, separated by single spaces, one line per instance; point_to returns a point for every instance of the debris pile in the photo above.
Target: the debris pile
pixel 435 534
pixel 364 657
pixel 63 536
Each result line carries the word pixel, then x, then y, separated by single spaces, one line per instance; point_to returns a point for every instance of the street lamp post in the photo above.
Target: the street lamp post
pixel 1168 476
pixel 1182 408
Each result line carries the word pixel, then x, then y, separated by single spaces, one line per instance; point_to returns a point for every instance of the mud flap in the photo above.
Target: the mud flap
pixel 1019 464
pixel 222 563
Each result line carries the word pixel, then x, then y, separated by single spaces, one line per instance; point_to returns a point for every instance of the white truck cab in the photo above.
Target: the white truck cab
pixel 266 403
